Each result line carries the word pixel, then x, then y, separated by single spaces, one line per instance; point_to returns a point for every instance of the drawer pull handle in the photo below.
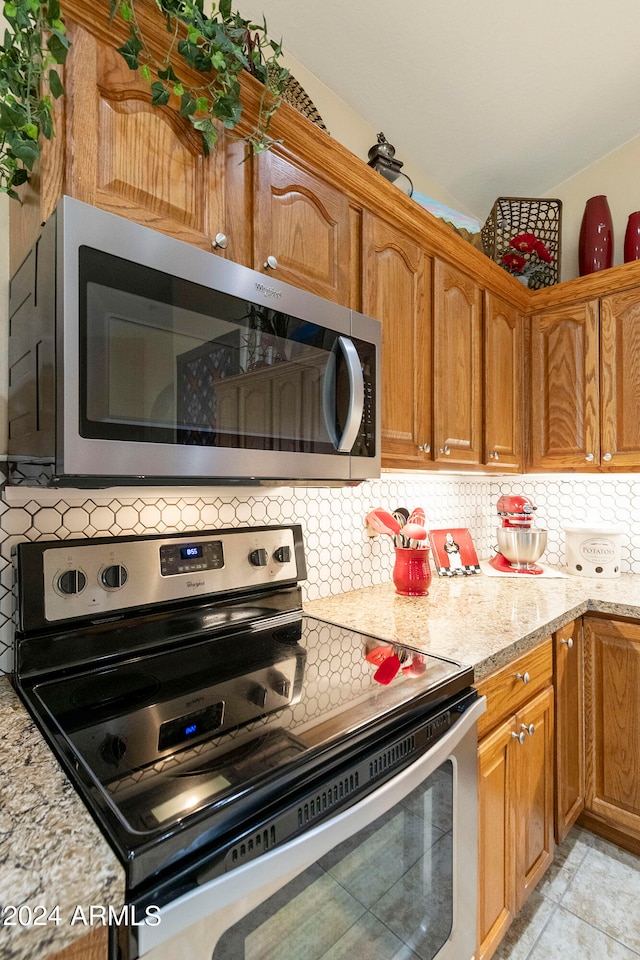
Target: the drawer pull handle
pixel 569 642
pixel 520 737
pixel 528 729
pixel 523 676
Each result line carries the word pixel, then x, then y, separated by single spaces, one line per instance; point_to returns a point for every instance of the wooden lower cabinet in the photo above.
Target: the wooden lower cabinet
pixel 612 729
pixel 569 687
pixel 515 791
pixel 92 946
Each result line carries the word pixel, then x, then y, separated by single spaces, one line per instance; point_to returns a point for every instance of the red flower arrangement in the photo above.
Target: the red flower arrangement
pixel 529 257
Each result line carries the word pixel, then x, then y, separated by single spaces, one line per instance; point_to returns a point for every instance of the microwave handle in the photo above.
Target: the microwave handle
pixel 344 443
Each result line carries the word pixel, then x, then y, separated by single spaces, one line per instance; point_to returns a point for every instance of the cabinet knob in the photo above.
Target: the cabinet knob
pixel 520 737
pixel 425 447
pixel 531 729
pixel 270 263
pixel 494 455
pixel 569 642
pixel 446 449
pixel 523 676
pixel 589 458
pixel 221 241
pixel 606 457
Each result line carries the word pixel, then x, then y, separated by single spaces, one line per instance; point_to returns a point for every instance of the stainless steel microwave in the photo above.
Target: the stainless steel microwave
pixel 135 357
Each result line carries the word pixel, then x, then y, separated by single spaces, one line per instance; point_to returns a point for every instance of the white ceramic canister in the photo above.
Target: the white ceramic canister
pixel 593 549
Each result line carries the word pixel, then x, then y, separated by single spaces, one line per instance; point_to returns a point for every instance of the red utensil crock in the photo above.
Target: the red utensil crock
pixel 411 572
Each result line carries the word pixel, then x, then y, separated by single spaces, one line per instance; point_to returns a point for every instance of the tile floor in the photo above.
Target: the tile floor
pixel 587 907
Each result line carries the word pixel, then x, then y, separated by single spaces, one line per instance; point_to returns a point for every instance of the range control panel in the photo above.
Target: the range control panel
pixel 87 576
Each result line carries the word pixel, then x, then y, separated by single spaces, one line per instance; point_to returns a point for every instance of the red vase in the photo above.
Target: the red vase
pixel 411 572
pixel 632 238
pixel 595 247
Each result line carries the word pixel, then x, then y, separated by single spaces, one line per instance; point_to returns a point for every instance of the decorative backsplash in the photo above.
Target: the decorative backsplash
pixel 340 555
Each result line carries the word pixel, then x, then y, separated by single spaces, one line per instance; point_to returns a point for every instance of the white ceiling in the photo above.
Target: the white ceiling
pixel 489 97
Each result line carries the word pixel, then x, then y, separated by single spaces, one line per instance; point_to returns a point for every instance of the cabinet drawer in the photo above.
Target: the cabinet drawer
pixel 506 693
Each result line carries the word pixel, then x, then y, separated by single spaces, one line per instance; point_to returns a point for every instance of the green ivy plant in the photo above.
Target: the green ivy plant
pixel 219 45
pixel 34 44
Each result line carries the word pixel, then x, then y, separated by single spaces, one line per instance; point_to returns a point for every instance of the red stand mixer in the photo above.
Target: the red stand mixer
pixel 519 544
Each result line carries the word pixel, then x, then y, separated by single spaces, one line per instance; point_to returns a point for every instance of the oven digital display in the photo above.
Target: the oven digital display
pixel 190 552
pixel 187 557
pixel 173 733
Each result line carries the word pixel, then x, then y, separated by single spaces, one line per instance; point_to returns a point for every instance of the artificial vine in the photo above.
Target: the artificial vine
pixel 219 46
pixel 27 60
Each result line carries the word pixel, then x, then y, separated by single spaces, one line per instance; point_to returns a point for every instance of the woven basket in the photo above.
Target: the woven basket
pixel 511 216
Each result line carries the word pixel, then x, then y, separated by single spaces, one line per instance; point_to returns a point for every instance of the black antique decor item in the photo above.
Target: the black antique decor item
pixel 382 158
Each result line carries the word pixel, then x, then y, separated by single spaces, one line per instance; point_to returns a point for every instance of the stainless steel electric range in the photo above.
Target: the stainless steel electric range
pixel 227 744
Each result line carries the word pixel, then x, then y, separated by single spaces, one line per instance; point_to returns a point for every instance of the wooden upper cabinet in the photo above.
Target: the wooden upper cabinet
pixel 503 347
pixel 396 290
pixel 143 162
pixel 564 388
pixel 620 379
pixel 457 366
pixel 303 221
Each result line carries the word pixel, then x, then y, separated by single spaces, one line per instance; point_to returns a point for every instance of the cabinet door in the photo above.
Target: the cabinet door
pixel 457 366
pixel 620 379
pixel 564 388
pixel 567 649
pixel 395 286
pixel 495 832
pixel 302 221
pixel 91 946
pixel 502 383
pixel 612 723
pixel 141 161
pixel 534 793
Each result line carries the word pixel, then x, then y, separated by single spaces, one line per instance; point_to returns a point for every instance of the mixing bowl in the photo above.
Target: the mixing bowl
pixel 521 547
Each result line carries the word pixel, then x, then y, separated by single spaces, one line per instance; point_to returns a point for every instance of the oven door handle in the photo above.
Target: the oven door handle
pixel 222 901
pixel 343 443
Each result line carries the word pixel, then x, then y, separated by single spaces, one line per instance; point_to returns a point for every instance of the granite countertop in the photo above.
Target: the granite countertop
pixel 51 851
pixel 478 620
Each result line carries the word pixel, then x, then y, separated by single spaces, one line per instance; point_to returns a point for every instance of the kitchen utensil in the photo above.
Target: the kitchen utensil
pixel 382 522
pixel 417 516
pixel 379 654
pixel 519 546
pixel 413 531
pixel 401 516
pixel 387 669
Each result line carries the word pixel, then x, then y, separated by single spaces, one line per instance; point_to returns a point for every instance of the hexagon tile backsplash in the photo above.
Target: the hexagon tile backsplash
pixel 340 556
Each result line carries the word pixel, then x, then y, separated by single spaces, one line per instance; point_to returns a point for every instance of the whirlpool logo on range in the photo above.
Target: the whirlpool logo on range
pixel 194 584
pixel 598 549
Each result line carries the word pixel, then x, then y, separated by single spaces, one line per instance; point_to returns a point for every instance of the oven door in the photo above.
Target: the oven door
pixel 393 876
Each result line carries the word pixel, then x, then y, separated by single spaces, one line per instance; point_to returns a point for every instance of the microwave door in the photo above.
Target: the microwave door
pixel 332 393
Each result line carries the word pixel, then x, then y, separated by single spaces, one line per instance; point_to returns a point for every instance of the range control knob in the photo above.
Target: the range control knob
pixel 258 694
pixel 281 685
pixel 113 749
pixel 258 557
pixel 114 576
pixel 71 582
pixel 283 554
